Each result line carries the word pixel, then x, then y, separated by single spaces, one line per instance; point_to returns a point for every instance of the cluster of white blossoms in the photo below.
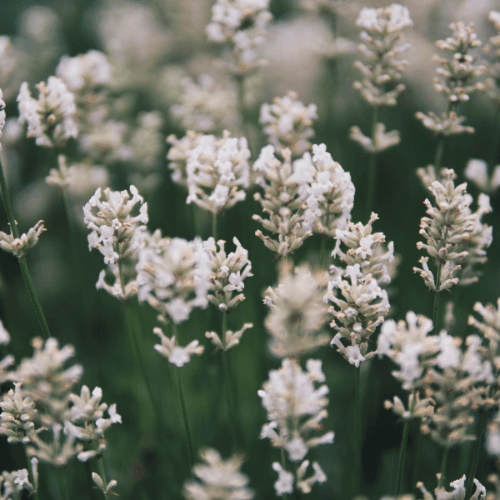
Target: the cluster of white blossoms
pixel 326 189
pixel 205 106
pixel 458 73
pixel 175 353
pixel 492 50
pixel 218 172
pixel 477 172
pixel 458 491
pixel 8 360
pixel 295 409
pixel 118 235
pixel 12 484
pixel 297 313
pixel 173 277
pixel 455 236
pixel 2 116
pixel 85 72
pixel 242 26
pixel 288 123
pixel 51 117
pixel 218 479
pixel 357 314
pixel 178 155
pixel 281 202
pixel 20 246
pixel 381 37
pixel 366 249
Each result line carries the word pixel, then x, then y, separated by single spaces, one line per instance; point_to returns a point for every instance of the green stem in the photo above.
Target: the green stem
pixel 90 483
pixel 30 473
pixel 22 261
pixel 496 138
pixel 444 461
pixel 418 454
pixel 214 226
pixel 439 154
pixel 475 454
pixel 372 168
pixel 102 472
pixel 185 420
pixel 357 432
pixel 62 484
pixel 402 456
pixel 283 465
pixel 435 310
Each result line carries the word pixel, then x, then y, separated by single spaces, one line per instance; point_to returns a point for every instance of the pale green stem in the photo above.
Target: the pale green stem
pixel 402 455
pixel 31 476
pixel 283 464
pixel 357 433
pixel 22 261
pixel 481 429
pixel 214 226
pixel 444 462
pixel 102 472
pixel 62 483
pixel 372 172
pixel 418 454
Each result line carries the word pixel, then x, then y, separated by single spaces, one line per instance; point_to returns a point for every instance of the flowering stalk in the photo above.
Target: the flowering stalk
pixel 32 475
pixel 357 433
pixel 475 454
pixel 22 260
pixel 402 452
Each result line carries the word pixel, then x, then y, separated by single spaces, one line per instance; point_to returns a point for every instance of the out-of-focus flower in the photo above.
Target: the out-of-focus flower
pixel 176 354
pixel 458 491
pixel 288 123
pixel 19 247
pixel 51 117
pixel 218 479
pixel 477 172
pixel 178 155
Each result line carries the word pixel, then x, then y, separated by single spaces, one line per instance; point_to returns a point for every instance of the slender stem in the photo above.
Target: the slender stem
pixel 418 454
pixel 185 420
pixel 214 226
pixel 90 483
pixel 439 154
pixel 481 428
pixel 283 465
pixel 30 473
pixel 372 168
pixel 22 261
pixel 357 448
pixel 102 472
pixel 444 461
pixel 196 226
pixel 402 456
pixel 62 484
pixel 435 313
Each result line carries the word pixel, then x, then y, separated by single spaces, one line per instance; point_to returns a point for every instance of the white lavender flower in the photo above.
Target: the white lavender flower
pixel 457 492
pixel 364 248
pixel 295 409
pixel 455 236
pixel 281 202
pixel 173 277
pixel 218 479
pixel 297 313
pixel 218 172
pixel 4 334
pixel 288 123
pixel 380 141
pixel 242 26
pixel 458 73
pixel 228 273
pixel 493 436
pixel 85 71
pixel 146 141
pixel 19 247
pixel 2 116
pixel 206 106
pixel 12 484
pixel 477 172
pixel 326 189
pixel 230 339
pixel 107 489
pixel 17 419
pixel 492 50
pixel 384 20
pixel 51 117
pixel 357 314
pixel 178 154
pixel 176 354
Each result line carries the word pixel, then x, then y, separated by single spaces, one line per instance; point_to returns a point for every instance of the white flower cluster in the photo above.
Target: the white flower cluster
pixel 326 189
pixel 19 247
pixel 288 123
pixel 9 63
pixel 457 79
pixel 8 361
pixel 366 249
pixel 12 484
pixel 477 172
pixel 51 117
pixel 117 234
pixel 295 409
pixel 178 155
pixel 173 277
pixel 87 422
pixel 85 72
pixel 206 106
pixel 357 314
pixel 297 313
pixel 281 202
pixel 493 436
pixel 242 25
pixel 218 172
pixel 380 141
pixel 384 20
pixel 457 492
pixel 2 116
pixel 455 236
pixel 176 354
pixel 218 479
pixel 492 50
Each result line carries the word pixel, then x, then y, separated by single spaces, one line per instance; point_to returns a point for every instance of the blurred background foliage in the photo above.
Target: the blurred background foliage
pixel 150 464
